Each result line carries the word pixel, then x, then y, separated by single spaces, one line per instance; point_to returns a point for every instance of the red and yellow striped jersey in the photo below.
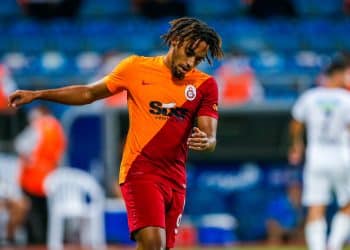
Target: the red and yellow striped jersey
pixel 162 111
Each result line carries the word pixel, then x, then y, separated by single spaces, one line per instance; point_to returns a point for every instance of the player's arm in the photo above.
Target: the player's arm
pixel 203 137
pixel 71 95
pixel 296 150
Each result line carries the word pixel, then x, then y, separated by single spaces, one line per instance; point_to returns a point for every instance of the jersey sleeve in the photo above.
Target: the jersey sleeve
pixel 209 104
pixel 119 78
pixel 299 109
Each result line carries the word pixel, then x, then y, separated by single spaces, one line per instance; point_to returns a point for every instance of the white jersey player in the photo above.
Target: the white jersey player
pixel 324 112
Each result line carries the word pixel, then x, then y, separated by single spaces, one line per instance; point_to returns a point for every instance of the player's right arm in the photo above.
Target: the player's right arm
pixel 113 83
pixel 296 149
pixel 297 128
pixel 71 95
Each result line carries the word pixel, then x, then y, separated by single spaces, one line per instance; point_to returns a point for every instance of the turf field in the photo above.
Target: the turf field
pixel 252 248
pixel 189 248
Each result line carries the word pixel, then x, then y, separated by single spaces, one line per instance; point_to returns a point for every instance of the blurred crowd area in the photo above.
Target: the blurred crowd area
pixel 274 50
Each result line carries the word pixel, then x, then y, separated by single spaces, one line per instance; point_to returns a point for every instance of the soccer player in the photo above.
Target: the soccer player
pixel 324 112
pixel 172 107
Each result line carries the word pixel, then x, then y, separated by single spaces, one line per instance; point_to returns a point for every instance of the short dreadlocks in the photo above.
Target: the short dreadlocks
pixel 339 63
pixel 187 28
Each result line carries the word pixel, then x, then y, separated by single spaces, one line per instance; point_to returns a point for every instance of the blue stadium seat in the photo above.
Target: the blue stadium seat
pixel 102 44
pixel 342 34
pixel 304 8
pixel 97 27
pixel 88 63
pixel 24 28
pixel 5 40
pixel 281 92
pixel 200 201
pixel 9 8
pixel 63 27
pixel 267 63
pixel 56 64
pixel 27 36
pixel 318 8
pixel 329 7
pixel 99 35
pixel 246 35
pixel 244 206
pixel 105 8
pixel 63 35
pixel 209 8
pixel 140 43
pixel 67 44
pixel 136 36
pixel 318 34
pixel 306 62
pixel 282 35
pixel 224 28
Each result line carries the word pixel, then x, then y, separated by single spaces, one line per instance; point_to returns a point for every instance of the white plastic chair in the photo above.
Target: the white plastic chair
pixel 73 193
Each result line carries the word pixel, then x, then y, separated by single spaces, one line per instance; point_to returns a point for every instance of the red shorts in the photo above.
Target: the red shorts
pixel 153 203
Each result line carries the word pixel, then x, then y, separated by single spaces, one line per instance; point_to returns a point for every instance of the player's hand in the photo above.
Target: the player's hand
pixel 21 97
pixel 295 154
pixel 198 140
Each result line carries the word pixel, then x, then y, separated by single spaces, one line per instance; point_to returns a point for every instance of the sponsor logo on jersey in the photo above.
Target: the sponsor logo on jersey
pixel 163 111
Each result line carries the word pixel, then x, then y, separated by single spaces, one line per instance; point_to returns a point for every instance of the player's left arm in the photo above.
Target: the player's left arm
pixel 203 137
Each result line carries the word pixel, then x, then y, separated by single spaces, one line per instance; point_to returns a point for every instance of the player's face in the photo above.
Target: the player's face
pixel 347 77
pixel 339 77
pixel 187 56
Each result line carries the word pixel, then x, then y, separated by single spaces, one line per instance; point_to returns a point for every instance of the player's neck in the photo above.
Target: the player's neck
pixel 333 85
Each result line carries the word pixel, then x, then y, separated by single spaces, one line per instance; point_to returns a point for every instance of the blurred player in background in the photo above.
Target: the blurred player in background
pixel 13 204
pixel 324 113
pixel 172 108
pixel 40 146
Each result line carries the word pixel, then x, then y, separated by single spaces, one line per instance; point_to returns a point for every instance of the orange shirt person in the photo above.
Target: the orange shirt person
pixel 172 107
pixel 40 147
pixel 46 144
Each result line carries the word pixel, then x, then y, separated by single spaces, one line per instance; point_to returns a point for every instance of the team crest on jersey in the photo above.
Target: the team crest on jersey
pixel 190 92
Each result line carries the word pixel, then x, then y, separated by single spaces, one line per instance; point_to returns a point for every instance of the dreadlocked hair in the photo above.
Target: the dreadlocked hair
pixel 187 28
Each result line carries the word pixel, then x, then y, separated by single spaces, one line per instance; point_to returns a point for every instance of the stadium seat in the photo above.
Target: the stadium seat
pixel 9 8
pixel 104 8
pixel 201 201
pixel 318 34
pixel 246 35
pixel 26 36
pixel 307 62
pixel 244 205
pixel 315 8
pixel 5 44
pixel 267 63
pixel 329 7
pixel 116 222
pixel 281 35
pixel 208 8
pixel 88 62
pixel 217 230
pixel 342 35
pixel 73 193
